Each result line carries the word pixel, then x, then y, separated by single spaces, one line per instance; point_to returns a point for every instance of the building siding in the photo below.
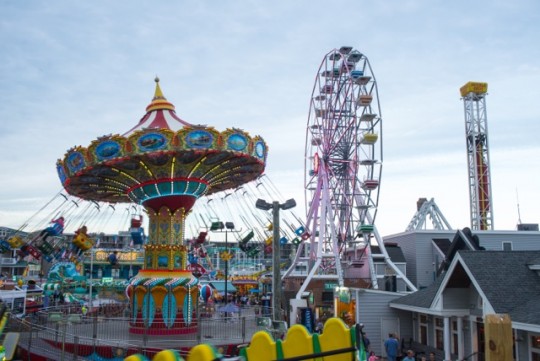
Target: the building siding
pixel 371 308
pixel 521 240
pixel 407 243
pixel 421 257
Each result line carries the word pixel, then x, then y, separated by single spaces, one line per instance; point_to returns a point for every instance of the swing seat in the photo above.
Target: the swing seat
pixel 46 248
pixel 137 235
pixel 4 246
pixel 34 252
pixel 136 222
pixel 82 242
pixel 15 241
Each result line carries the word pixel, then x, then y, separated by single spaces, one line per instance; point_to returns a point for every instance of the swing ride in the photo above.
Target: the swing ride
pixel 249 249
pixel 51 244
pixel 164 164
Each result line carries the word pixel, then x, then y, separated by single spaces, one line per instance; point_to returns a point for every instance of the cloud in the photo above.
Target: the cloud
pixel 72 72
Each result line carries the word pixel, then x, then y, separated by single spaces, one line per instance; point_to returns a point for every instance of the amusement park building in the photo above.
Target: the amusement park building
pixel 9 266
pixel 462 279
pixel 425 250
pixel 6 232
pixel 454 313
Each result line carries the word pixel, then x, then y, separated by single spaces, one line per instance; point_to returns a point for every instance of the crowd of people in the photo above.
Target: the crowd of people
pixel 394 352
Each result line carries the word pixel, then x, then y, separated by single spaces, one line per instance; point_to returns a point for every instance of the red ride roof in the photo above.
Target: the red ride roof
pixel 159 114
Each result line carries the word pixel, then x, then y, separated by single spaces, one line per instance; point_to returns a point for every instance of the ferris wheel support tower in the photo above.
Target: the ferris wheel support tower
pixel 481 204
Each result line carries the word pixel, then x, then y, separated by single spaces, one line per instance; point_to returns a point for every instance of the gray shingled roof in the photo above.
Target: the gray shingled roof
pixel 508 283
pixel 463 240
pixel 394 252
pixel 443 244
pixel 527 312
pixel 421 298
pixel 503 276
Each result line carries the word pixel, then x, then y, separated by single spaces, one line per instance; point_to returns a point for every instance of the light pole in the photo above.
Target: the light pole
pixel 218 227
pixel 276 250
pixel 90 301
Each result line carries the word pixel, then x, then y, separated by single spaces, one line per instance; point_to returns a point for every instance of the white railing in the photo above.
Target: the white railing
pixel 8 260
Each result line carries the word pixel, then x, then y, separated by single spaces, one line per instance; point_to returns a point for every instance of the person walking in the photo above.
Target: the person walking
pixel 391 346
pixel 367 343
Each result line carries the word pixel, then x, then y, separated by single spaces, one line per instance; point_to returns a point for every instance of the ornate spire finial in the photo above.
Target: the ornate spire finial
pixel 159 101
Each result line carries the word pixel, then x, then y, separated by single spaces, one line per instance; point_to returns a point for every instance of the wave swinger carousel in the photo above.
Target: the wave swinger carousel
pixel 164 164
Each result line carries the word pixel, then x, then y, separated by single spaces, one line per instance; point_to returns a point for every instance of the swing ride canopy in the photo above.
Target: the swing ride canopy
pixel 162 161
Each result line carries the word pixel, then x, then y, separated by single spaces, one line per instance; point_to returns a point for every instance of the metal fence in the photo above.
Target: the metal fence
pixel 64 333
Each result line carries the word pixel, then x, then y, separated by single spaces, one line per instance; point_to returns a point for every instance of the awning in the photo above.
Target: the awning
pixel 50 286
pixel 68 297
pixel 220 286
pixel 245 281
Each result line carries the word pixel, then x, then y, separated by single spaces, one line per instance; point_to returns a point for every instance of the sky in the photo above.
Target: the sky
pixel 73 71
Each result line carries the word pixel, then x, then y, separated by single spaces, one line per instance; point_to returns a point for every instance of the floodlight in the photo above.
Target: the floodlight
pixel 262 204
pixel 291 203
pixel 216 225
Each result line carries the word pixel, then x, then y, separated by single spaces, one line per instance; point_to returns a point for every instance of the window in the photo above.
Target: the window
pixel 327 296
pixel 439 333
pixel 390 283
pixel 454 337
pixel 423 329
pixel 379 268
pixel 535 347
pixel 18 304
pixel 507 246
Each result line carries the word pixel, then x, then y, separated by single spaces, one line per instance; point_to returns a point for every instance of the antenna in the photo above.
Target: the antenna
pixel 519 213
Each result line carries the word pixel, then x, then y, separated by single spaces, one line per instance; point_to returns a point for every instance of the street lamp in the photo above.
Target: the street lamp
pixel 90 300
pixel 218 227
pixel 276 283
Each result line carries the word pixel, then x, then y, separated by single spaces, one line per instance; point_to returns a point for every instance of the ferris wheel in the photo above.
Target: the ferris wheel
pixel 343 167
